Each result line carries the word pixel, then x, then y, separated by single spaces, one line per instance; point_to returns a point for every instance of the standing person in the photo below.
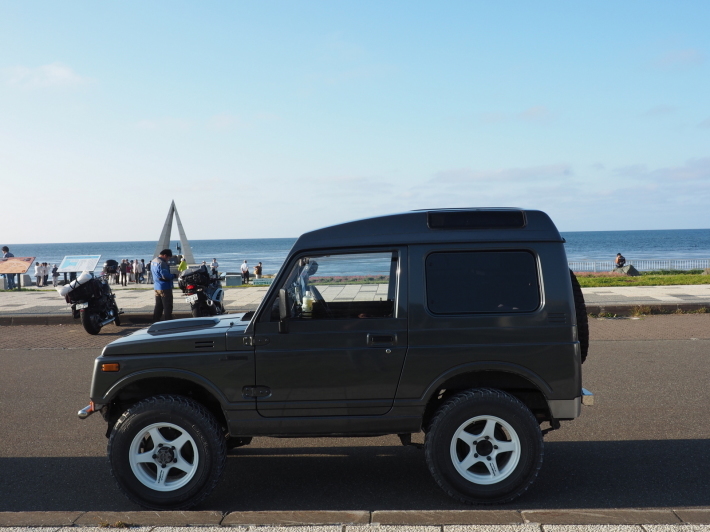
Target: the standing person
pixel 45 270
pixel 182 266
pixel 214 266
pixel 38 273
pixel 55 275
pixel 143 271
pixel 129 269
pixel 9 276
pixel 163 285
pixel 123 268
pixel 137 271
pixel 257 271
pixel 619 261
pixel 245 273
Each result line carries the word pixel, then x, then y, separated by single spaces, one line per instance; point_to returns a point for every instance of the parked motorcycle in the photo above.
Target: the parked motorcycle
pixel 203 291
pixel 92 301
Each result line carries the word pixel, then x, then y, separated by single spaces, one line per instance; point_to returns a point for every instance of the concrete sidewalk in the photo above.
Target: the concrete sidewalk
pixel 45 305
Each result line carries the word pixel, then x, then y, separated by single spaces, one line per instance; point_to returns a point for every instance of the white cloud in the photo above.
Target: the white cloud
pixel 464 175
pixel 222 122
pixel 660 110
pixel 165 123
pixel 52 75
pixel 538 113
pixel 680 59
pixel 693 170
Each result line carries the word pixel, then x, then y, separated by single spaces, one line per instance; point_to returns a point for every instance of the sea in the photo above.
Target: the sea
pixel 271 252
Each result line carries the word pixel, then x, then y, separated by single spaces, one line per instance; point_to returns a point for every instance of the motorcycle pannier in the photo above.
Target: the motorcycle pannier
pixel 84 292
pixel 197 275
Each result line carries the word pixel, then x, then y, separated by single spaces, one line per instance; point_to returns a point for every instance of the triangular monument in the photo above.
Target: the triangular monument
pixel 164 241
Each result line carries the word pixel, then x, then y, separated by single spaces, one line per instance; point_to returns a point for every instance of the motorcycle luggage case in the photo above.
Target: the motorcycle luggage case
pixel 196 275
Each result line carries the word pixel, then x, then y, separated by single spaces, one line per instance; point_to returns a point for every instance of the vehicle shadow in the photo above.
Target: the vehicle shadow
pixel 599 474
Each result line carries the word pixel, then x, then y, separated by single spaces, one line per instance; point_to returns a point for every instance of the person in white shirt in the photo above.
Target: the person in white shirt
pixel 138 270
pixel 38 273
pixel 245 273
pixel 214 266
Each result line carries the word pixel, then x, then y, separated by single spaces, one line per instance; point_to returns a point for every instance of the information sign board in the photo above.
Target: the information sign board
pixel 79 263
pixel 15 264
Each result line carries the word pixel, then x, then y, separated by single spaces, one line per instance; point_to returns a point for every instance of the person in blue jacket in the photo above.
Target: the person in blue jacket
pixel 163 285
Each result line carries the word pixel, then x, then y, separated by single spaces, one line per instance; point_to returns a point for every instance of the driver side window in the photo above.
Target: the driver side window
pixel 344 286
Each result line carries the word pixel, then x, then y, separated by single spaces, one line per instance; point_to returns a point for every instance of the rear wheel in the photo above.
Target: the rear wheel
pixel 484 446
pixel 580 309
pixel 198 311
pixel 91 322
pixel 167 452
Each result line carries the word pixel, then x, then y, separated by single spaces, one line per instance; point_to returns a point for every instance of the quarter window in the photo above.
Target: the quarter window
pixel 482 282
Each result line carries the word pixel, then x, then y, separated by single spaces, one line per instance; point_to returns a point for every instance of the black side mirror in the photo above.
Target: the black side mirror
pixel 284 313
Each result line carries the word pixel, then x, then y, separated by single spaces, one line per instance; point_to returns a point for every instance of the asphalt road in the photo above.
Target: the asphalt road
pixel 644 444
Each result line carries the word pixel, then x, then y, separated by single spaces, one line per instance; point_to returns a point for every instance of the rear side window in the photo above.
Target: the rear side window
pixel 482 281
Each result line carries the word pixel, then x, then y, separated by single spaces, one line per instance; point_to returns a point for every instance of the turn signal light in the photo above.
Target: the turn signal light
pixel 110 367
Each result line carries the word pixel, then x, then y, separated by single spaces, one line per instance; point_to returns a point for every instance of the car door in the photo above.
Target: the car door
pixel 343 353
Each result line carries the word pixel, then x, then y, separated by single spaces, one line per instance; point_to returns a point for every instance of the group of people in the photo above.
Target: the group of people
pixel 42 271
pixel 245 272
pixel 214 265
pixel 129 271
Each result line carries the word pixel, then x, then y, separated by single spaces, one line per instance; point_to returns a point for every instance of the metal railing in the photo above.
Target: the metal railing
pixel 646 265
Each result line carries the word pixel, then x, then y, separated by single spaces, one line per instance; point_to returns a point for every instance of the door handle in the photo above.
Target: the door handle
pixel 381 339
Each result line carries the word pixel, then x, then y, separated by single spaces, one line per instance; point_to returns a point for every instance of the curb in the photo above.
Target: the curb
pixel 659 308
pixel 613 516
pixel 142 318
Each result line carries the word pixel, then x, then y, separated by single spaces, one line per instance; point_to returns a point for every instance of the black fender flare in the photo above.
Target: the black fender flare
pixel 481 366
pixel 178 374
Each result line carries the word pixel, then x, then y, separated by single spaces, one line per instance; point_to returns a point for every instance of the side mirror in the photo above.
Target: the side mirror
pixel 284 313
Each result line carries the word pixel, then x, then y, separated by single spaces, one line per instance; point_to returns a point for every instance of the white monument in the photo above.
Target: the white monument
pixel 164 241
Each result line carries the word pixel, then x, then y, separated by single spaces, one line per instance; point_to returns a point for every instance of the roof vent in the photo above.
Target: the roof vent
pixel 476 219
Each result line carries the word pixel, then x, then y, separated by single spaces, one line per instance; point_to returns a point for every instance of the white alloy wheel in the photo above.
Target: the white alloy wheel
pixel 163 457
pixel 485 450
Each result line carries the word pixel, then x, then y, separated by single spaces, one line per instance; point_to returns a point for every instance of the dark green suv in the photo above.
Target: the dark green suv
pixel 465 324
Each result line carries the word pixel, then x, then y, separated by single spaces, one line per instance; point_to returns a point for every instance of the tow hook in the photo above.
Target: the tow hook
pixel 86 411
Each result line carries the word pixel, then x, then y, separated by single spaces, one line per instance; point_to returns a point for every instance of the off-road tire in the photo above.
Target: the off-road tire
pixel 580 309
pixel 192 418
pixel 117 321
pixel 90 322
pixel 453 415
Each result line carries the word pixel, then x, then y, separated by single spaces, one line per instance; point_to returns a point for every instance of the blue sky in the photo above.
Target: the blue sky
pixel 268 119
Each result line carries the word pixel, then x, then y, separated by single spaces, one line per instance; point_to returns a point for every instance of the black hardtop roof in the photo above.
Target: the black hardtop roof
pixel 414 228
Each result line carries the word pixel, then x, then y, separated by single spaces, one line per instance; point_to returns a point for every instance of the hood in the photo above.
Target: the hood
pixel 189 335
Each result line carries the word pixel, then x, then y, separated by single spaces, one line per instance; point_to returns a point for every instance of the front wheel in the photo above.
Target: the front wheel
pixel 91 322
pixel 484 446
pixel 167 452
pixel 116 321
